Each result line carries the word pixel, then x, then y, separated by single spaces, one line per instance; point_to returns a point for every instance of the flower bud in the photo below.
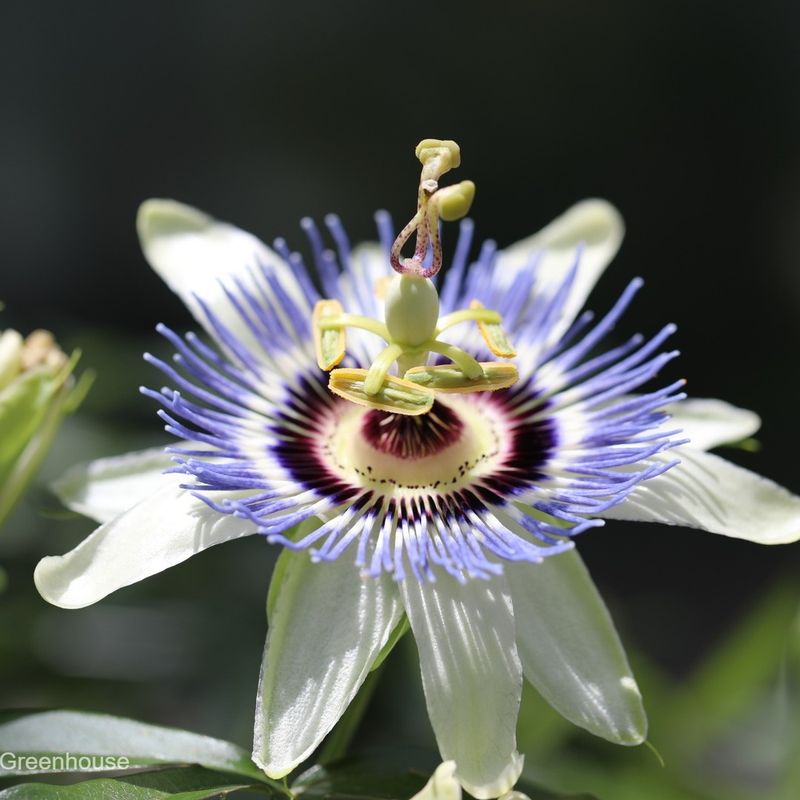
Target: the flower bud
pixel 37 389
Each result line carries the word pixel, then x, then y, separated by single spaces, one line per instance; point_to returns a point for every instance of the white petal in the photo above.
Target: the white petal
pixel 711 423
pixel 472 676
pixel 705 491
pixel 104 488
pixel 362 288
pixel 157 533
pixel 198 257
pixel 570 650
pixel 595 224
pixel 327 627
pixel 442 784
pixel 361 285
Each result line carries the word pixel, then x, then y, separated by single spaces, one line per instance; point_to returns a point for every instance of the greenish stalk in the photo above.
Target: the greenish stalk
pixel 337 744
pixel 463 360
pixel 380 368
pixel 355 321
pixel 467 315
pixel 410 360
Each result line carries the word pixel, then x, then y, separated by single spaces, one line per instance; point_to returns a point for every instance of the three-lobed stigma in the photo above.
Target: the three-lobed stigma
pixel 450 203
pixel 412 326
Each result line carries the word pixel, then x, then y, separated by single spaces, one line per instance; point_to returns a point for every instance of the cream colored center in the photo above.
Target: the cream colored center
pixel 477 449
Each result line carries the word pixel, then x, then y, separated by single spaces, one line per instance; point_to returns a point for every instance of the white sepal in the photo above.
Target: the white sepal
pixel 104 488
pixel 471 675
pixel 570 650
pixel 442 784
pixel 593 225
pixel 705 491
pixel 712 423
pixel 328 624
pixel 157 533
pixel 200 258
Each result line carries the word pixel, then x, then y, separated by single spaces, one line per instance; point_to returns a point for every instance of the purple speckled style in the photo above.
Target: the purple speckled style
pixel 483 478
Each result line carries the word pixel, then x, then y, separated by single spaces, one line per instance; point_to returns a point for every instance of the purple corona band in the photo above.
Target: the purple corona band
pixel 481 479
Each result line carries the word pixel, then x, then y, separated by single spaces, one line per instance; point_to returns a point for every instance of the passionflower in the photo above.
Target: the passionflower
pixel 424 450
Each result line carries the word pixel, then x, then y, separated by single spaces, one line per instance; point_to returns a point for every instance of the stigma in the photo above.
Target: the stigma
pixel 400 379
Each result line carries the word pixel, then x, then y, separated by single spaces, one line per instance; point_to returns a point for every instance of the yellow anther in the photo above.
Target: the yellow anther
pixel 450 379
pixel 494 335
pixel 396 395
pixel 329 343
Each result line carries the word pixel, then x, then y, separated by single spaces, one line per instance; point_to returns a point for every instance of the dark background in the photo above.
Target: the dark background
pixel 685 114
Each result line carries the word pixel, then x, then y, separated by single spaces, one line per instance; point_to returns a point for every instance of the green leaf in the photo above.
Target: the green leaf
pixel 737 672
pixel 187 783
pixel 789 785
pixel 49 733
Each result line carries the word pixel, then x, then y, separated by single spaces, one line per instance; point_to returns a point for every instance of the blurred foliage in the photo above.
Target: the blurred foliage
pixel 731 731
pixel 681 113
pixel 213 768
pixel 184 649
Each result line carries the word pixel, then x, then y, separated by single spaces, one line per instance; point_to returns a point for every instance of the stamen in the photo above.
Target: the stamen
pixel 411 307
pixel 379 368
pixel 395 395
pixel 446 378
pixel 472 314
pixel 329 343
pixel 493 334
pixel 355 321
pixel 463 360
pixel 413 481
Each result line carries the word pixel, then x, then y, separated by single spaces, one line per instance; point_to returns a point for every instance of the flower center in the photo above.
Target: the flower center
pixel 415 437
pixel 448 446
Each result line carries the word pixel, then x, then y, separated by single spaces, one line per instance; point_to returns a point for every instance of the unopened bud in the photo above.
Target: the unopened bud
pixel 37 389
